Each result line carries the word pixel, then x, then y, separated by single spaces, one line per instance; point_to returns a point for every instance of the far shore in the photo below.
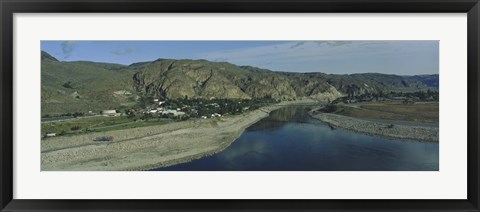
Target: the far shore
pixel 151 147
pixel 380 128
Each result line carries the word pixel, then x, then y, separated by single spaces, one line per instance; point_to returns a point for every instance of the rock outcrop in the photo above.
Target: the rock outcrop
pixel 204 79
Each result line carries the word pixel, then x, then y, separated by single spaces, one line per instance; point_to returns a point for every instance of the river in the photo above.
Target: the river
pixel 290 140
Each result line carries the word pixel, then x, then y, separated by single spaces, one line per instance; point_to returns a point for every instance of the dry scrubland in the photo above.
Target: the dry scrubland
pixel 395 120
pixel 149 147
pixel 426 112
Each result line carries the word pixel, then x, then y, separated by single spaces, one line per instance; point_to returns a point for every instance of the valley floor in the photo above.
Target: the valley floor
pixel 407 122
pixel 149 147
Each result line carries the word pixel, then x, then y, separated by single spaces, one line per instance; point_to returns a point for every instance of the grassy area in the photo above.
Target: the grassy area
pixel 192 107
pixel 419 112
pixel 97 124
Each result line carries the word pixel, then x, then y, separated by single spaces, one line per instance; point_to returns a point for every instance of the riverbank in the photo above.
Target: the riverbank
pixel 380 128
pixel 150 147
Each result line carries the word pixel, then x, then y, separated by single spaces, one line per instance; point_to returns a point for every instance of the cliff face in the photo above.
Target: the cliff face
pixel 203 79
pixel 192 79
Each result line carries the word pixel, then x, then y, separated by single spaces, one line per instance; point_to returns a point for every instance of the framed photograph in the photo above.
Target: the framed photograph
pixel 239 105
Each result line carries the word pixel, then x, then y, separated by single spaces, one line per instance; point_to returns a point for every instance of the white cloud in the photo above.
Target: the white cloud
pixel 67 48
pixel 305 56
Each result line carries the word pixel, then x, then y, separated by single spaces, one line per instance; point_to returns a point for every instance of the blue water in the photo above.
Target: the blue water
pixel 290 140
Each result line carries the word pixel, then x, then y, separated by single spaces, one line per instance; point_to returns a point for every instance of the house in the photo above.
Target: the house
pixel 153 111
pixel 155 100
pixel 51 134
pixel 179 114
pixel 161 102
pixel 204 117
pixel 216 115
pixel 166 112
pixel 110 113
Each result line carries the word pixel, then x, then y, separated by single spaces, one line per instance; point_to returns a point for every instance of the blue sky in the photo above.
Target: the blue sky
pixel 336 57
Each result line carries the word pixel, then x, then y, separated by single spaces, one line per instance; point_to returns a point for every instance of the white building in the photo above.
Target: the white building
pixel 216 115
pixel 168 111
pixel 179 113
pixel 51 134
pixel 173 112
pixel 110 113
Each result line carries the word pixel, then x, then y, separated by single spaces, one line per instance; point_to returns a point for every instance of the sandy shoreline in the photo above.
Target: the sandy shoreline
pixel 397 131
pixel 149 147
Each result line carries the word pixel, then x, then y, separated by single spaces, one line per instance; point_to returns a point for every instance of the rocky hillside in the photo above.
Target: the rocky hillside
pixel 83 86
pixel 375 82
pixel 204 79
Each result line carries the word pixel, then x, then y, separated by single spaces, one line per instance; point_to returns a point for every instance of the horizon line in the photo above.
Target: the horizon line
pixel 158 59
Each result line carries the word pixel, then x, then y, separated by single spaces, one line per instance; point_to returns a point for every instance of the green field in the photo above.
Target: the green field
pixel 97 124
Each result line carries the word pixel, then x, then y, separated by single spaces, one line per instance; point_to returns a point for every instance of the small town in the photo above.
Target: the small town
pixel 152 110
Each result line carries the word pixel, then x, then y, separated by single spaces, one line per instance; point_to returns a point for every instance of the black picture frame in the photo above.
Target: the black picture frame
pixel 9 7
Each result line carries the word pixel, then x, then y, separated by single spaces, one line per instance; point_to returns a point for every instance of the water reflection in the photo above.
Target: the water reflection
pixel 289 140
pixel 280 118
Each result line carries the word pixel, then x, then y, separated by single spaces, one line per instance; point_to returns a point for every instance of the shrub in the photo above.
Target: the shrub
pixel 74 128
pixel 254 107
pixel 68 85
pixel 77 114
pixel 329 109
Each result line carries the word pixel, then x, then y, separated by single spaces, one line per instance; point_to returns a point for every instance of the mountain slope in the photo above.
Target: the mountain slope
pixel 83 86
pixel 204 79
pixel 375 82
pixel 187 78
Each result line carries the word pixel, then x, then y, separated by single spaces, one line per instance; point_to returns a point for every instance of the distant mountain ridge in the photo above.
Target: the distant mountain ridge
pixel 83 86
